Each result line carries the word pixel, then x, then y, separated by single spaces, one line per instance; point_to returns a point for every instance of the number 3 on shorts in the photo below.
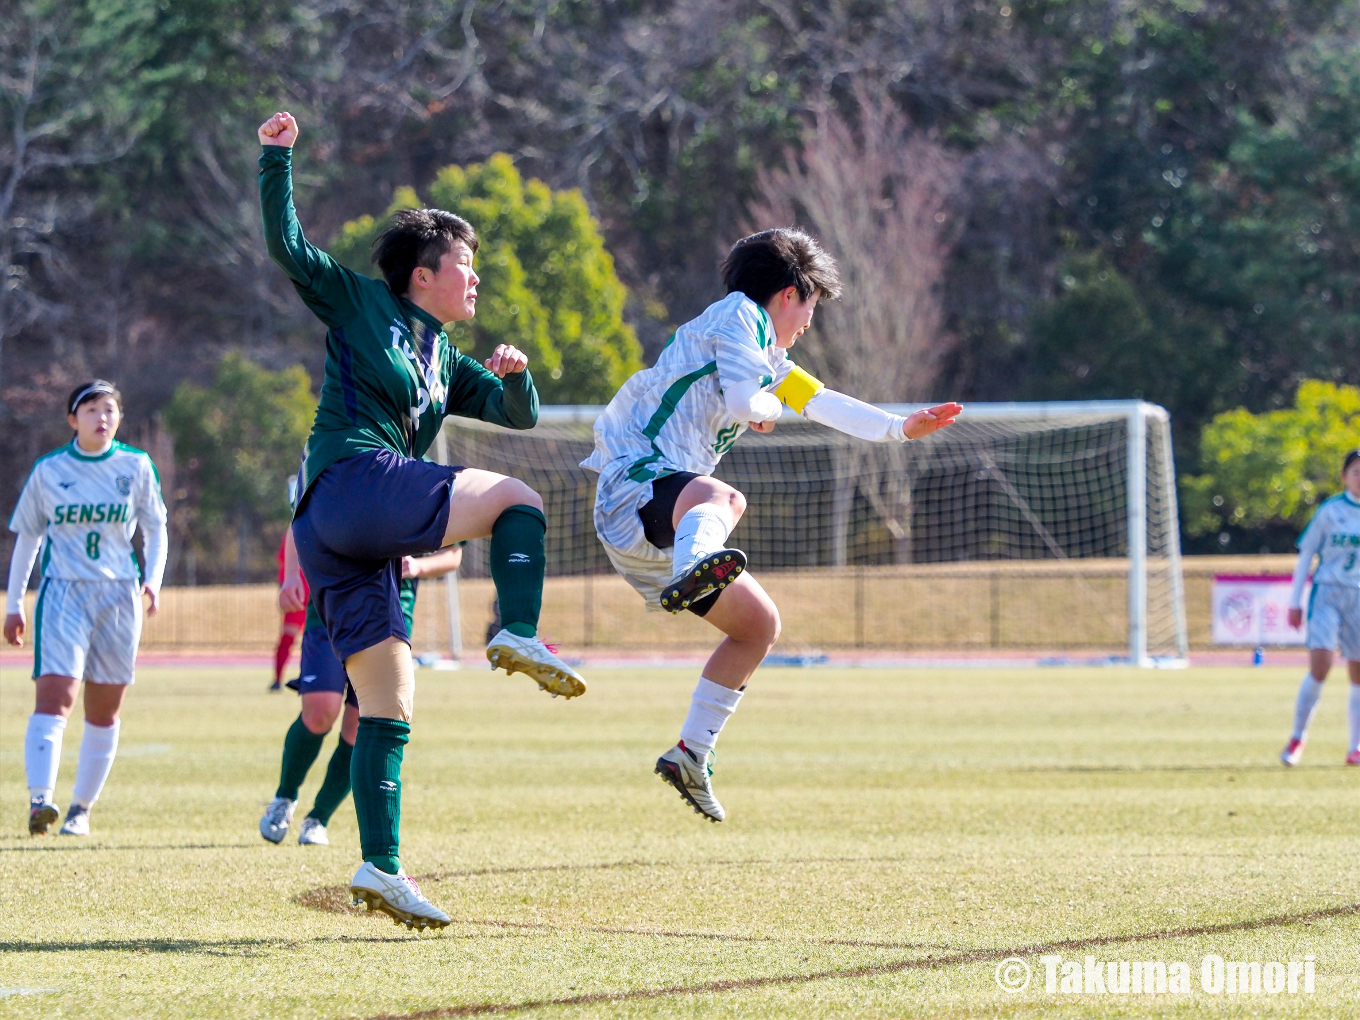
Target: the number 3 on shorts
pixel 92 545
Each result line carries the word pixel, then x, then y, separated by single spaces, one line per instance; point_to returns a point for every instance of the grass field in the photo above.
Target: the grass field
pixel 892 837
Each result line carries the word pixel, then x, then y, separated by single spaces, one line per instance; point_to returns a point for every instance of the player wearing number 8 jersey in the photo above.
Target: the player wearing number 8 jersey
pixel 81 505
pixel 1333 538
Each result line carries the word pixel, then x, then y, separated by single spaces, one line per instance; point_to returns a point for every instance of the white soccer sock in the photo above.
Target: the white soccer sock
pixel 702 531
pixel 1355 718
pixel 710 707
pixel 97 749
pixel 1309 692
pixel 42 753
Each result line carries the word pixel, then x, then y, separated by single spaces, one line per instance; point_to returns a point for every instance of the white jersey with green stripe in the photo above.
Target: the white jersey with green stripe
pixel 86 509
pixel 1333 536
pixel 672 417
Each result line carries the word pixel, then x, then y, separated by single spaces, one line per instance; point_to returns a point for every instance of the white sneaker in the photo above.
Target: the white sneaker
pixel 682 768
pixel 77 821
pixel 397 896
pixel 313 834
pixel 277 817
pixel 516 654
pixel 1292 752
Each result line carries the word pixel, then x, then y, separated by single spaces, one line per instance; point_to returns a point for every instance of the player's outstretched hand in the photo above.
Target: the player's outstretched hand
pixel 931 419
pixel 1294 616
pixel 14 629
pixel 155 598
pixel 280 129
pixel 507 360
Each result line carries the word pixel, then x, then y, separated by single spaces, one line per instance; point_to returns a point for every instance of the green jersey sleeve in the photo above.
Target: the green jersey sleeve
pixel 475 392
pixel 331 291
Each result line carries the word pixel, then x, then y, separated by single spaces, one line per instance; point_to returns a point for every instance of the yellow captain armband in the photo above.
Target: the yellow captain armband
pixel 798 388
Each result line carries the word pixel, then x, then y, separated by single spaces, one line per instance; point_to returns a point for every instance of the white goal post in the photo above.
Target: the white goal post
pixel 1037 525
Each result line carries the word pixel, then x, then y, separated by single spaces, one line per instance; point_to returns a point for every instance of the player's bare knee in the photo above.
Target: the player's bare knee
pixel 736 502
pixel 531 498
pixel 54 706
pixel 55 695
pixel 762 624
pixel 102 703
pixel 319 718
pixel 773 625
pixel 518 493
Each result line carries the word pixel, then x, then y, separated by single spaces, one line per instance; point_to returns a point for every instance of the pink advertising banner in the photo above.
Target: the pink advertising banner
pixel 1253 610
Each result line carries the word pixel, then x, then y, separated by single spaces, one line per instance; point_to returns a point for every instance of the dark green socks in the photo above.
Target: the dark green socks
pixel 517 566
pixel 335 788
pixel 300 749
pixel 375 774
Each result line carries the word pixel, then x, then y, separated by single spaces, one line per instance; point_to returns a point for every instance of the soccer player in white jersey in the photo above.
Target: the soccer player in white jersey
pixel 1333 537
pixel 662 517
pixel 81 505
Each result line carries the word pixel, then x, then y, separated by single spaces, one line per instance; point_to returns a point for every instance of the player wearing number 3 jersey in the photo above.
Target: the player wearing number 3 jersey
pixel 1333 538
pixel 81 505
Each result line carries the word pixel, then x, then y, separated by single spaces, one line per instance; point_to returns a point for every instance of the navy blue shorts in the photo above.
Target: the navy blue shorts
pixel 355 523
pixel 320 669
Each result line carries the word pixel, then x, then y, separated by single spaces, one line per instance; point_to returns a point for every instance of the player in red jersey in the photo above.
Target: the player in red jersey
pixel 293 622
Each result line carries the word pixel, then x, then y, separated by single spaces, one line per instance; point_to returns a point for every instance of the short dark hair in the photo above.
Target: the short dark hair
pixel 418 237
pixel 762 265
pixel 1351 458
pixel 92 390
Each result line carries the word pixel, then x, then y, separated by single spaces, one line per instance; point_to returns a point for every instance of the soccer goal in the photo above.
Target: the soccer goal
pixel 1041 526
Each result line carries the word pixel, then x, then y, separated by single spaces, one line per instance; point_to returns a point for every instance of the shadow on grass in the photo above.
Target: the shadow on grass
pixel 1279 770
pixel 878 969
pixel 335 899
pixel 329 898
pixel 200 947
pixel 66 848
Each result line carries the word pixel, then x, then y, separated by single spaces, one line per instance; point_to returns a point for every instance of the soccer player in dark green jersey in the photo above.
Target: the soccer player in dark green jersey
pixel 366 499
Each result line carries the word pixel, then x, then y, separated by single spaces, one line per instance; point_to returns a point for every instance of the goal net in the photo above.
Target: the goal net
pixel 1022 526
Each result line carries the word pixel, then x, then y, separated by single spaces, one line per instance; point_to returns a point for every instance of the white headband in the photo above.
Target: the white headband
pixel 94 389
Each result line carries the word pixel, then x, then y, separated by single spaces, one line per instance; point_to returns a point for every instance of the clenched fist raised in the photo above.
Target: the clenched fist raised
pixel 280 129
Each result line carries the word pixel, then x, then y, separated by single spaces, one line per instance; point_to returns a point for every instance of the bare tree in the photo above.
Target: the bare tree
pixel 53 120
pixel 881 198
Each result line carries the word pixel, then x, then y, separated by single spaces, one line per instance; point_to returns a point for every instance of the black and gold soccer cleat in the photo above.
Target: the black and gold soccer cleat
pixel 710 574
pixel 692 777
pixel 41 814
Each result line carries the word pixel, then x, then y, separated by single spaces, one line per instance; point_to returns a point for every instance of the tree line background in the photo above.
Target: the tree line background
pixel 1058 199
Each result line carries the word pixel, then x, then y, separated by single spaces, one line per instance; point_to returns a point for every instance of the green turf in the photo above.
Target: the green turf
pixel 892 835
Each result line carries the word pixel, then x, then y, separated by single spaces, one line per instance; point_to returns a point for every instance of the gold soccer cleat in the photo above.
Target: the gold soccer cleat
pixel 530 656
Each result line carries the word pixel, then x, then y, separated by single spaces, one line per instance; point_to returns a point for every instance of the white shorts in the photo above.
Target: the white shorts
pixel 617 502
pixel 87 629
pixel 1334 619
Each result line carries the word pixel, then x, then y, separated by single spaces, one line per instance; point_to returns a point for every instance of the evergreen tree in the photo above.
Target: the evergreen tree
pixel 548 284
pixel 236 441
